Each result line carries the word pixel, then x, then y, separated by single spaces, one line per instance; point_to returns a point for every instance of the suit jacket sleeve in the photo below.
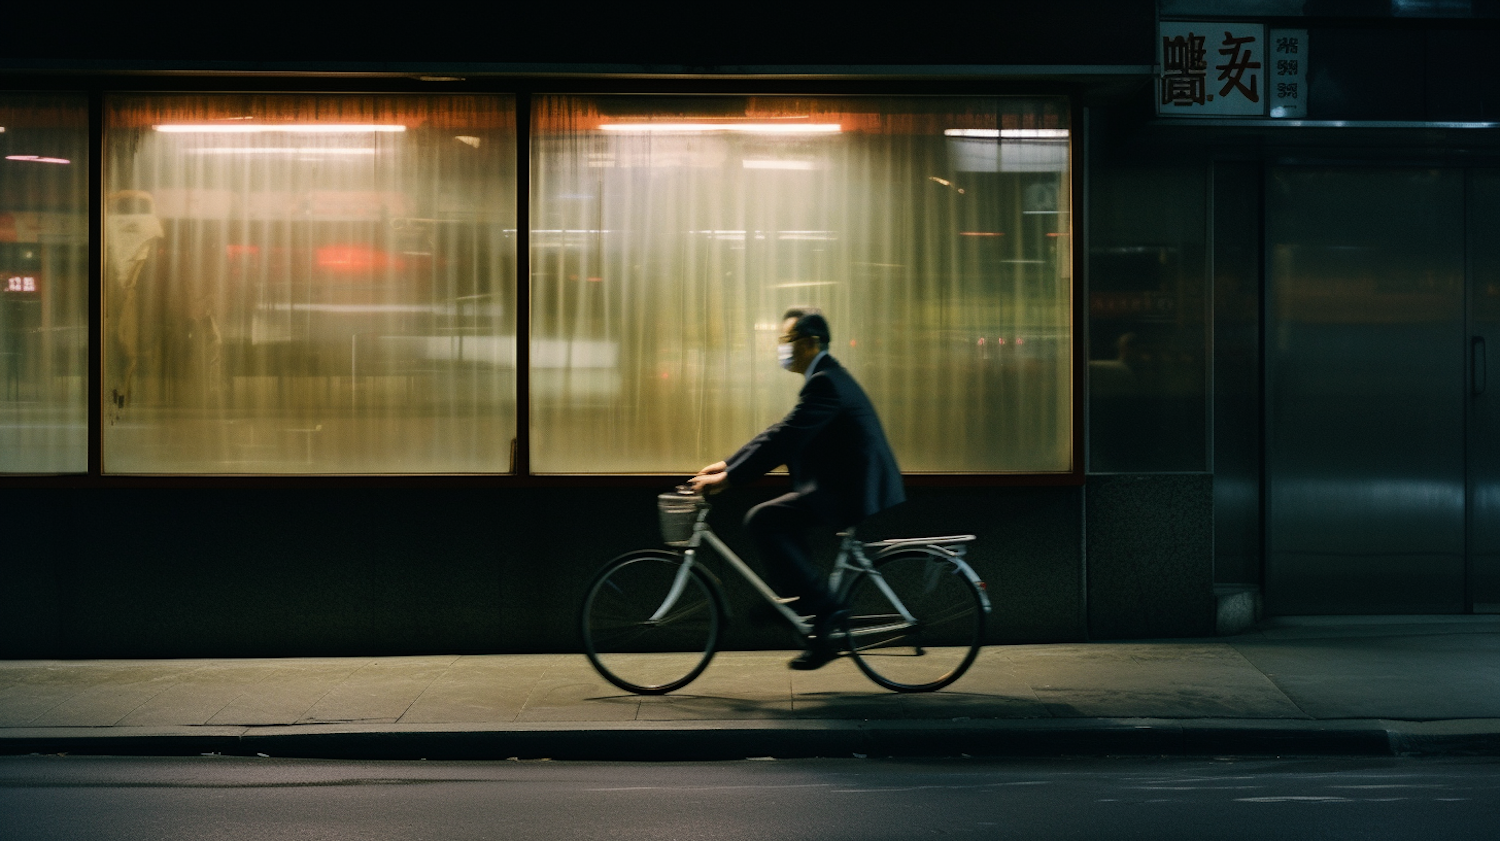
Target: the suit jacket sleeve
pixel 781 442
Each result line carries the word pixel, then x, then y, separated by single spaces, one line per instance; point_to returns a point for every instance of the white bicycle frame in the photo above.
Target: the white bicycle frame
pixel 952 546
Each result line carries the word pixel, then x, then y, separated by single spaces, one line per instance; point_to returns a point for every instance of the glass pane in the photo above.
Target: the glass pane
pixel 670 234
pixel 44 243
pixel 1147 320
pixel 309 284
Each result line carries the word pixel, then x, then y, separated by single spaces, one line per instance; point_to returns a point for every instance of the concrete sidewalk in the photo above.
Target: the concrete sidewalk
pixel 1388 685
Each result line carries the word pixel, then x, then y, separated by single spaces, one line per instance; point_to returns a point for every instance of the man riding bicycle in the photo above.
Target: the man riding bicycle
pixel 842 472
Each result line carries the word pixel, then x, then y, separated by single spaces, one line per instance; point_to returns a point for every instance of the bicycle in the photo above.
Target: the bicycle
pixel 916 610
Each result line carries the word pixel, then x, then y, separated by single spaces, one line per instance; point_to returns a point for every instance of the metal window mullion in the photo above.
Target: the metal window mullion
pixel 521 463
pixel 96 284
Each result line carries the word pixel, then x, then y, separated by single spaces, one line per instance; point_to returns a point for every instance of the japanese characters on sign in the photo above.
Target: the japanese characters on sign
pixel 1287 49
pixel 1212 69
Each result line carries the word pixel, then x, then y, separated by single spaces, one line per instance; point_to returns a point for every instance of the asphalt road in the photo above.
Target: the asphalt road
pixel 227 799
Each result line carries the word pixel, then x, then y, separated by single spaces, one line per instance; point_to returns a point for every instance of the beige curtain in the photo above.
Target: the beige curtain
pixel 669 235
pixel 309 284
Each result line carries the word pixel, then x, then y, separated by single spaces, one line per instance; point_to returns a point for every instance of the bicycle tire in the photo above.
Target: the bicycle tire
pixel 943 642
pixel 633 650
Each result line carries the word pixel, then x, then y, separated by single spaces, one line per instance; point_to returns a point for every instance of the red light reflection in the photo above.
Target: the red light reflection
pixel 355 258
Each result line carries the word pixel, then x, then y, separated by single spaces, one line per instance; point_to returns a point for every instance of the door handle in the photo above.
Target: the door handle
pixel 1477 365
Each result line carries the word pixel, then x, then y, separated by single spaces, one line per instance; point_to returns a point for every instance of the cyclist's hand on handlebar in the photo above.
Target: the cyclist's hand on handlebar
pixel 710 483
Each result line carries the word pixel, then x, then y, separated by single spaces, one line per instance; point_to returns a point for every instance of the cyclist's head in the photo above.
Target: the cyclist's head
pixel 808 323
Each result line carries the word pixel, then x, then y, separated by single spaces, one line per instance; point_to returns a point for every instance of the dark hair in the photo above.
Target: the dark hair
pixel 810 324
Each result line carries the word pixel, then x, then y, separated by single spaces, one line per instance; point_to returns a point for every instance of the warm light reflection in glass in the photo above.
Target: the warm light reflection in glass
pixel 264 315
pixel 914 245
pixel 743 128
pixel 1010 133
pixel 291 128
pixel 45 344
pixel 281 150
pixel 758 163
pixel 37 159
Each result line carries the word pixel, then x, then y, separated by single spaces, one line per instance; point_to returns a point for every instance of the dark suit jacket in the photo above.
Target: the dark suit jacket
pixel 834 447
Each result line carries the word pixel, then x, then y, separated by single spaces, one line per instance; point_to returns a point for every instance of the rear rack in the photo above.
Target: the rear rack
pixel 921 541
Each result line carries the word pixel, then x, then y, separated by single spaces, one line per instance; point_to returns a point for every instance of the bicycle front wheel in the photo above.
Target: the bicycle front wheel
pixel 651 622
pixel 916 621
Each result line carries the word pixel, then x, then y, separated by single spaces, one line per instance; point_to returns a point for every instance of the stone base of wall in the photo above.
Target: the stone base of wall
pixel 1150 546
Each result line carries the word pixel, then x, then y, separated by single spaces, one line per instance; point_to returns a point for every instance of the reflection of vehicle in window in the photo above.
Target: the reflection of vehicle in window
pixel 330 283
pixel 313 287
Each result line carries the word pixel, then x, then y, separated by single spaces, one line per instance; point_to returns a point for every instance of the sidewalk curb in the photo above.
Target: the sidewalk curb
pixel 1466 737
pixel 725 740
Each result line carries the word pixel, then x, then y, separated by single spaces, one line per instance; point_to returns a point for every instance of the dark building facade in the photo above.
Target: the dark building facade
pixel 348 337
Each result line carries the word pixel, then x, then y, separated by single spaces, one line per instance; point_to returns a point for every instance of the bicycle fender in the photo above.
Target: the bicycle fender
pixel 641 553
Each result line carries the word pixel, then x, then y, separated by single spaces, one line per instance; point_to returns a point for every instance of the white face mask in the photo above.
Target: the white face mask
pixel 784 356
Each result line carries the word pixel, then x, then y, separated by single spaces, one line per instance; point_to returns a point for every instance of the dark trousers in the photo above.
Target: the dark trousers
pixel 779 528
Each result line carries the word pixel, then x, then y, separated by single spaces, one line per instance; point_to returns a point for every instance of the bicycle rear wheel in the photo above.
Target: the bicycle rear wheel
pixel 930 643
pixel 650 624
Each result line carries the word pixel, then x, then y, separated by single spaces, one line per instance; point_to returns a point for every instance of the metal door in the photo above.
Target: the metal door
pixel 1366 362
pixel 1484 390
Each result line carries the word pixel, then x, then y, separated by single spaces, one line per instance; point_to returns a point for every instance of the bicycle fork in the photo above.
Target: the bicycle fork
pixel 679 583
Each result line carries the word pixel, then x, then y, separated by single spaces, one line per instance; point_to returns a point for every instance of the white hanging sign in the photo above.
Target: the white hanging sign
pixel 1211 69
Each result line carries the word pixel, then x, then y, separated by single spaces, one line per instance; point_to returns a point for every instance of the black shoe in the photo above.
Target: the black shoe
pixel 820 648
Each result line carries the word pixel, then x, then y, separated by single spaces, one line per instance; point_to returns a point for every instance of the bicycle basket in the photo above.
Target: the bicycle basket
pixel 679 511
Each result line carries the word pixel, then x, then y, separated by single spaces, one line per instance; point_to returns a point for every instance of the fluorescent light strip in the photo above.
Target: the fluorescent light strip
pixel 764 163
pixel 37 159
pixel 746 128
pixel 1009 133
pixel 293 128
pixel 281 150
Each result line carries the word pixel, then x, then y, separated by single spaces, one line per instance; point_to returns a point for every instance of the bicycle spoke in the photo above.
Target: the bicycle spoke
pixel 633 647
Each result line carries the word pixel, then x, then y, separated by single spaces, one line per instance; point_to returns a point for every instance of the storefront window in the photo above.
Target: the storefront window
pixel 309 284
pixel 670 233
pixel 1148 334
pixel 44 242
